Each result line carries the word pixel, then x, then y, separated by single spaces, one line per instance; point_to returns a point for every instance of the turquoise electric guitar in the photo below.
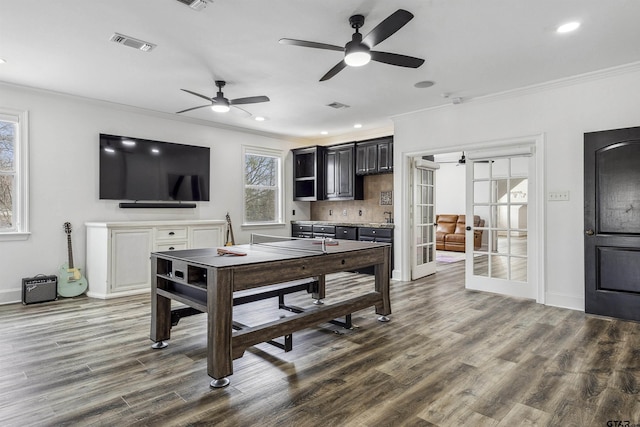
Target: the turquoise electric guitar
pixel 71 282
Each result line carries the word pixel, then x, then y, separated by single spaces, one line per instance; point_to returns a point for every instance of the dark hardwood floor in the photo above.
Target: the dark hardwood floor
pixel 448 357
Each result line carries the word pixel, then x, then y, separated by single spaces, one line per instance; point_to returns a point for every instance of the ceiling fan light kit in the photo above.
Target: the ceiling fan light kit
pixel 220 107
pixel 357 55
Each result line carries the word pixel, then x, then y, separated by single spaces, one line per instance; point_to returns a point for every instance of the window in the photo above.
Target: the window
pixel 262 186
pixel 13 175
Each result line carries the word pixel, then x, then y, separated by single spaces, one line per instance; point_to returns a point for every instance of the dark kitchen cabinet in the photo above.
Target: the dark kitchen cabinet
pixel 381 235
pixel 341 182
pixel 324 231
pixel 346 233
pixel 308 173
pixel 313 230
pixel 302 230
pixel 374 156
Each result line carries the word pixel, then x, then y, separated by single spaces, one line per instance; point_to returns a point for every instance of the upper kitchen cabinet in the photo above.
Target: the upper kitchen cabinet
pixel 374 156
pixel 308 173
pixel 341 182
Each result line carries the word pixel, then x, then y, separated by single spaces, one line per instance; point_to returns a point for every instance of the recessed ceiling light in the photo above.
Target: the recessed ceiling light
pixel 424 84
pixel 2 61
pixel 568 27
pixel 259 119
pixel 357 126
pixel 324 132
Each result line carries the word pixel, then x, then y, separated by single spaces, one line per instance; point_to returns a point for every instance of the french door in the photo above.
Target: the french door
pixel 423 218
pixel 500 240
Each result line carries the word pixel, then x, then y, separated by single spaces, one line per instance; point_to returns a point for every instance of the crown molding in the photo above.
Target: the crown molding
pixel 605 73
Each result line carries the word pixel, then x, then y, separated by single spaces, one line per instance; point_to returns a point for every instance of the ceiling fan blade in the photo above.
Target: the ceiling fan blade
pixel 388 27
pixel 314 45
pixel 197 94
pixel 194 108
pixel 335 70
pixel 249 100
pixel 397 59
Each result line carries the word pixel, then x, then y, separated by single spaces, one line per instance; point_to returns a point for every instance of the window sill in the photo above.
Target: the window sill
pixel 14 236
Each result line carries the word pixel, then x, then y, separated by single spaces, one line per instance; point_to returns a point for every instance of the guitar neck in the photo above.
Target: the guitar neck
pixel 230 240
pixel 70 251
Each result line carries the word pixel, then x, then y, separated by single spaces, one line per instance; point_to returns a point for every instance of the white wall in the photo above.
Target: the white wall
pixel 562 112
pixel 64 177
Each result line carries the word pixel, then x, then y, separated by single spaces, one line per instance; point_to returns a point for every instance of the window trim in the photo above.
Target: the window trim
pixel 22 231
pixel 265 152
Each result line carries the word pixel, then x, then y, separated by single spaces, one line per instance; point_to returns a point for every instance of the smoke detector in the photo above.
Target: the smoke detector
pixel 196 4
pixel 132 42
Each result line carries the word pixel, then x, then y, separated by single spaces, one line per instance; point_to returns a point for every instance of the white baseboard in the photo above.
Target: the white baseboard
pixel 564 301
pixel 98 295
pixel 10 296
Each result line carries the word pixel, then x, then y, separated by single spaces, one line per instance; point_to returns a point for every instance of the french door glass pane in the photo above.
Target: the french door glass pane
pixel 519 269
pixel 520 166
pixel 481 171
pixel 424 254
pixel 425 235
pixel 500 266
pixel 481 193
pixel 500 168
pixel 481 265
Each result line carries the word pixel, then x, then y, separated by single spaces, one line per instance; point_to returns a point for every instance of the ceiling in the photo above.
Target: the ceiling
pixel 472 48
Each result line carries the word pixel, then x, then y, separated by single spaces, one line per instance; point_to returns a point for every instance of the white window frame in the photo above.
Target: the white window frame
pixel 265 152
pixel 21 230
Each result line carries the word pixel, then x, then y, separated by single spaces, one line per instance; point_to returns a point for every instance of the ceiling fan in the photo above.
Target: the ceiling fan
pixel 358 51
pixel 463 161
pixel 220 104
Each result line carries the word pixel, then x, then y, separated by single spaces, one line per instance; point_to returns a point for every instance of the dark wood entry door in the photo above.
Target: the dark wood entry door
pixel 612 223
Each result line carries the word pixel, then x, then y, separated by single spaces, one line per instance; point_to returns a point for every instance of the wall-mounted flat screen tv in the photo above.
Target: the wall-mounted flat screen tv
pixel 141 169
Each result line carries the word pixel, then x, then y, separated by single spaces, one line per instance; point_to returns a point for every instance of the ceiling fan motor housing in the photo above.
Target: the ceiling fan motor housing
pixel 356 21
pixel 356 53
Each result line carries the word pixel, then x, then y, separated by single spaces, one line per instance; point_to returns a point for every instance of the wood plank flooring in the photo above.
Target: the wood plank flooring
pixel 448 357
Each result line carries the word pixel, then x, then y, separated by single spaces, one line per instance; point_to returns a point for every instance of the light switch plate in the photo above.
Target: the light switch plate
pixel 558 196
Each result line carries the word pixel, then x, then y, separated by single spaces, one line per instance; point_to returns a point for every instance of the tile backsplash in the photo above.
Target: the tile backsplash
pixel 378 199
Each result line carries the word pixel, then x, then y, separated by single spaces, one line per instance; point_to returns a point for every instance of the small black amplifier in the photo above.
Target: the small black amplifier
pixel 39 288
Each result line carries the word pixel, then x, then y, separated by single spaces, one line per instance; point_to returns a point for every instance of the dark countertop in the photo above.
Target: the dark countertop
pixel 346 224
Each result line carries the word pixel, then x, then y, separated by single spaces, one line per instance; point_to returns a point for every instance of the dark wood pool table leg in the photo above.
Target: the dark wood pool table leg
pixel 160 312
pixel 320 294
pixel 382 274
pixel 219 326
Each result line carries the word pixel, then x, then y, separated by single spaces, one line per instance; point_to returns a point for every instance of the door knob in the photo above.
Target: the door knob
pixel 589 232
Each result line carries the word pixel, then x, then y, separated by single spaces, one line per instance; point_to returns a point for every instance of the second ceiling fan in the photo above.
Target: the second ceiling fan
pixel 219 103
pixel 358 51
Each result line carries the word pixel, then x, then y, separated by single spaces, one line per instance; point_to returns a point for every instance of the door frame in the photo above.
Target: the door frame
pixel 403 212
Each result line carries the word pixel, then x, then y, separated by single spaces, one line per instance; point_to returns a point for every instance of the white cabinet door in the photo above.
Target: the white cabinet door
pixel 130 266
pixel 205 236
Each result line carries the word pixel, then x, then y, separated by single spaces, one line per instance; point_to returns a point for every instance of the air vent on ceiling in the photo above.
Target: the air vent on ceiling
pixel 196 4
pixel 337 105
pixel 131 42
